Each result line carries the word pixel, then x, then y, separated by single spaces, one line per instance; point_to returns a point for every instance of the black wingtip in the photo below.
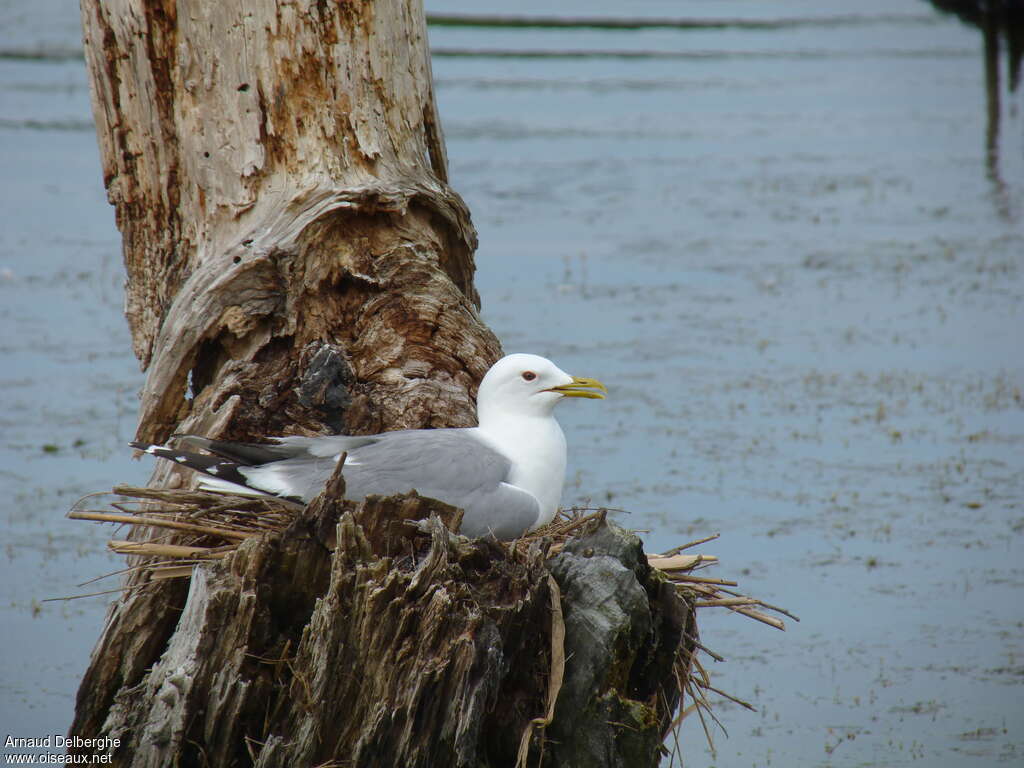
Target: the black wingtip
pixel 213 466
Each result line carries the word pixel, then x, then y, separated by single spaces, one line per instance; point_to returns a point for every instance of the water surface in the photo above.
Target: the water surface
pixel 792 251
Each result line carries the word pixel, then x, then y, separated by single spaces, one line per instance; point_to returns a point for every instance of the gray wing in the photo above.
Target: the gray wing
pixel 452 465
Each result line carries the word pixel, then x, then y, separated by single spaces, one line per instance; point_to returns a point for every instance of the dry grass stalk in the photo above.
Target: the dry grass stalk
pixel 156 522
pixel 171 571
pixel 555 679
pixel 679 562
pixel 690 578
pixel 166 550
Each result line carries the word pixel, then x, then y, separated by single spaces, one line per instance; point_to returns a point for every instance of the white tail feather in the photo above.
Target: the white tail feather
pixel 223 486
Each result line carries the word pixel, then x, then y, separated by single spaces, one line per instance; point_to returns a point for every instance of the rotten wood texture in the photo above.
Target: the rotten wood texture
pixel 625 626
pixel 298 264
pixel 407 645
pixel 296 260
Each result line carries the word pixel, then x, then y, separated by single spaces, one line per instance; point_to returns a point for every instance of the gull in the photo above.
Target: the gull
pixel 505 474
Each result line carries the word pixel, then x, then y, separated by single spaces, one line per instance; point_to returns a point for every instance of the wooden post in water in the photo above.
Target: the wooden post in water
pixel 297 263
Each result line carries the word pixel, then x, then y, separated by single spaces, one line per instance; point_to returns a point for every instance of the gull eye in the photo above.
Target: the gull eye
pixel 529 375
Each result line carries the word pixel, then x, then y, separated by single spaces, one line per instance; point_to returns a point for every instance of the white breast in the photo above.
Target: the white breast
pixel 536 448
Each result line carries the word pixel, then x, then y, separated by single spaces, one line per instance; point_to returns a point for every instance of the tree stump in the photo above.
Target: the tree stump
pixel 298 264
pixel 360 637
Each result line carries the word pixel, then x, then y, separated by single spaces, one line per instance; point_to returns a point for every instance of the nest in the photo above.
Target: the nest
pixel 189 527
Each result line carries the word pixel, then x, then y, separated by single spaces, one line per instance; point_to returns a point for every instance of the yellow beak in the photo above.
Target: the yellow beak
pixel 580 387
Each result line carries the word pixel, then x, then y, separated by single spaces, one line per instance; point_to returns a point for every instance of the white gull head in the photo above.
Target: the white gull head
pixel 514 409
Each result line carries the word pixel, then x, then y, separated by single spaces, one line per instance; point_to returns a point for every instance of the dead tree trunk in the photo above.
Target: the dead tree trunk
pixel 297 263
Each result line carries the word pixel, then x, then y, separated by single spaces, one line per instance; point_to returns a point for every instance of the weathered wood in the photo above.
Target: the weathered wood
pixel 408 646
pixel 278 174
pixel 625 624
pixel 297 263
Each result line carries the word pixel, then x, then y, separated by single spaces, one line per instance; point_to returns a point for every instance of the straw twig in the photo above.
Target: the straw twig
pixel 166 550
pixel 158 522
pixel 679 562
pixel 698 542
pixel 555 677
